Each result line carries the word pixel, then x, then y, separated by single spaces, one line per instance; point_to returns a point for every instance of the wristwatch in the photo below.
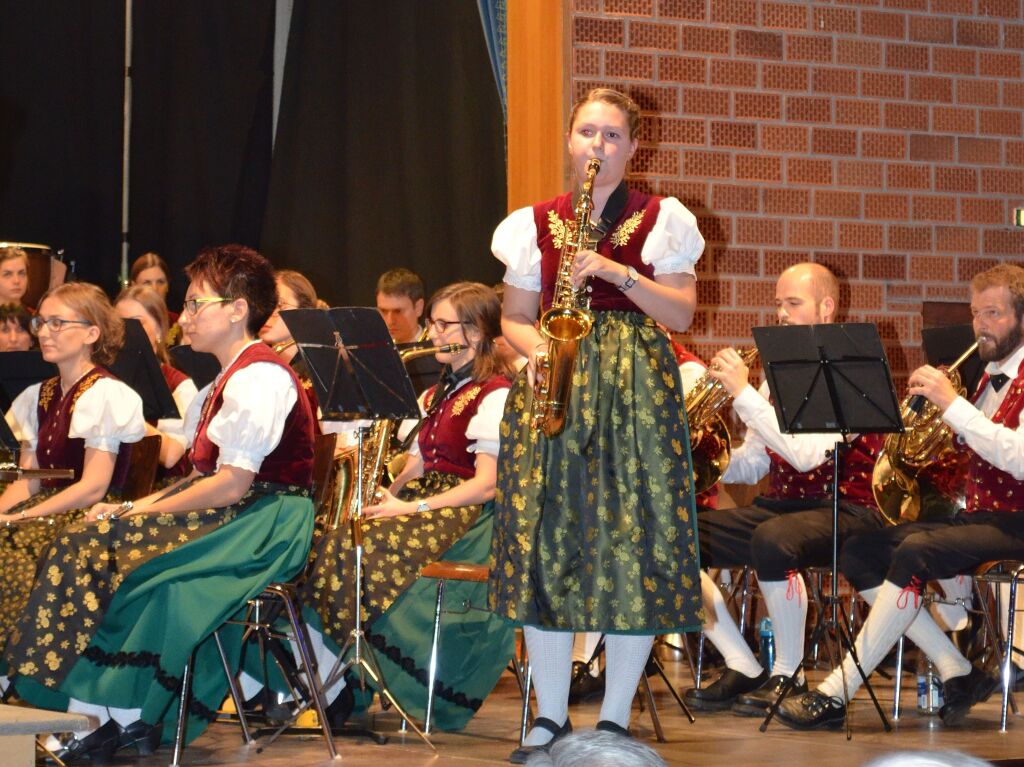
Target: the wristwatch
pixel 424 506
pixel 632 275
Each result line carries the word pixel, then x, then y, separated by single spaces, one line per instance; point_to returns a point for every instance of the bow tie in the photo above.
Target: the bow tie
pixel 998 380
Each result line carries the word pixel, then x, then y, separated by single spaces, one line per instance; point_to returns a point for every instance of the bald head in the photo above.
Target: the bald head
pixel 806 294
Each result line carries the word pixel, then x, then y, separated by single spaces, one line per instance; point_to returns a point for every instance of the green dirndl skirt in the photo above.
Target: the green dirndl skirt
pixel 398 604
pixel 120 606
pixel 595 528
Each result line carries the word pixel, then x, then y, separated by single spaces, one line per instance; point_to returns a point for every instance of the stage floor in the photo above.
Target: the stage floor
pixel 719 738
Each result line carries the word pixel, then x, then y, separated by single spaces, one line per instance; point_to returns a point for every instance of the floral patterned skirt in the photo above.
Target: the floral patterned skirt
pixel 398 605
pixel 595 528
pixel 120 606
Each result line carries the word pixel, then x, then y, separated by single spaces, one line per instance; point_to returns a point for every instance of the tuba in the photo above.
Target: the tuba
pixel 709 436
pixel 377 457
pixel 901 491
pixel 567 321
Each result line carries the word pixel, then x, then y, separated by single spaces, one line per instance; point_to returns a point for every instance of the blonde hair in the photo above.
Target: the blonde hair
pixel 155 307
pixel 90 303
pixel 616 99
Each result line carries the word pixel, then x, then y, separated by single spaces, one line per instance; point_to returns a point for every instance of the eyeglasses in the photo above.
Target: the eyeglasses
pixel 193 305
pixel 441 326
pixel 53 324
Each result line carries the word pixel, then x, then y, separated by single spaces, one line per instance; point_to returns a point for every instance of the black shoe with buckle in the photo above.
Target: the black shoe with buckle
pixel 583 686
pixel 757 702
pixel 962 692
pixel 812 710
pixel 720 694
pixel 606 725
pixel 98 746
pixel 521 754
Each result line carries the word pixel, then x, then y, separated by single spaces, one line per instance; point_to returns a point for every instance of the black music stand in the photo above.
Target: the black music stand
pixel 136 364
pixel 358 374
pixel 201 367
pixel 824 379
pixel 943 345
pixel 8 442
pixel 20 370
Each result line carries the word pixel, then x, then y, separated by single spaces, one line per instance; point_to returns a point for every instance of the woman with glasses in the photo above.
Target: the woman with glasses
pixel 139 587
pixel 595 527
pixel 80 420
pixel 137 302
pixel 438 507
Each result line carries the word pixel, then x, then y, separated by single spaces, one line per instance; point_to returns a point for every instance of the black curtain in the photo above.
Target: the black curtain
pixel 201 128
pixel 390 147
pixel 61 70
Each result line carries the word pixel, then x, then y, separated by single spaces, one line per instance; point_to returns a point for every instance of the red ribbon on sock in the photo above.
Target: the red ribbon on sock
pixel 914 587
pixel 793 585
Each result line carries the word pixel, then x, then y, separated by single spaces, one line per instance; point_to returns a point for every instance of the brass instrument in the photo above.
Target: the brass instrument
pixel 926 440
pixel 376 451
pixel 710 444
pixel 567 321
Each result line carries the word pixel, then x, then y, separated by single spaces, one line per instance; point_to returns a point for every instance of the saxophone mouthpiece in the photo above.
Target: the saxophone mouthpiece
pixel 593 165
pixel 450 349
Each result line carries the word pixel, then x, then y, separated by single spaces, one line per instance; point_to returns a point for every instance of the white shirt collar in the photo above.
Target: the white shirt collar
pixel 1010 366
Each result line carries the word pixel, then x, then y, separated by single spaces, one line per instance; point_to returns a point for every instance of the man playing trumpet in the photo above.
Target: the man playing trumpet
pixel 890 567
pixel 787 528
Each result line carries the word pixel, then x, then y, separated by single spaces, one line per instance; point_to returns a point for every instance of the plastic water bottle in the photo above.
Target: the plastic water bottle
pixel 767 641
pixel 929 688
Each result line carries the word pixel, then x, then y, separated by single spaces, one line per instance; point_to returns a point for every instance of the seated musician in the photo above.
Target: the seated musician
pixel 13 275
pixel 150 271
pixel 788 528
pixel 141 586
pixel 891 566
pixel 438 507
pixel 80 420
pixel 400 302
pixel 15 328
pixel 138 302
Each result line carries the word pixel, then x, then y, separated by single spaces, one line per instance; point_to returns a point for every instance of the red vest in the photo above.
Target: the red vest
pixel 55 449
pixel 291 462
pixel 442 438
pixel 623 243
pixel 989 488
pixel 786 483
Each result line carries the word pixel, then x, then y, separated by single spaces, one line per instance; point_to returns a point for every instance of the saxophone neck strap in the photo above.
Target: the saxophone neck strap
pixel 612 211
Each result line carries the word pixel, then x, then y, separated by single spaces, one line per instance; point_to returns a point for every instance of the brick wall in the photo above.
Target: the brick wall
pixel 882 138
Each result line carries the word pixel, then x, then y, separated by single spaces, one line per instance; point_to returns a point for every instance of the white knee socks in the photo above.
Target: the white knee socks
pixel 721 630
pixel 550 654
pixel 787 607
pixel 625 659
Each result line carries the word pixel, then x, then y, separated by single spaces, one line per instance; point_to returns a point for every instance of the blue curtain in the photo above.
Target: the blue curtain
pixel 492 14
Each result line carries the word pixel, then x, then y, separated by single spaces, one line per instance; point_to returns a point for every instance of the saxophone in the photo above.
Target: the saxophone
pixel 710 444
pixel 926 442
pixel 568 320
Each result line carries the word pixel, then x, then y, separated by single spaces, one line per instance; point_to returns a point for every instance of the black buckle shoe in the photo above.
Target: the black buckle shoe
pixel 521 754
pixel 583 686
pixel 758 702
pixel 962 692
pixel 144 737
pixel 720 694
pixel 606 725
pixel 812 710
pixel 98 746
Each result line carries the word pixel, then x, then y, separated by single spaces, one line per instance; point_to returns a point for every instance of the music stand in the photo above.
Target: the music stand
pixel 824 379
pixel 943 345
pixel 136 365
pixel 358 374
pixel 19 371
pixel 201 367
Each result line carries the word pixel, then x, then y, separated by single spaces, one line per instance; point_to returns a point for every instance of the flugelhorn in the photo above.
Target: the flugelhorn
pixel 925 441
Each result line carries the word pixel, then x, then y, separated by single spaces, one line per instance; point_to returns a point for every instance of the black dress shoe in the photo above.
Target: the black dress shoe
pixel 812 710
pixel 98 746
pixel 583 686
pixel 962 692
pixel 340 709
pixel 144 737
pixel 720 694
pixel 607 726
pixel 757 702
pixel 521 754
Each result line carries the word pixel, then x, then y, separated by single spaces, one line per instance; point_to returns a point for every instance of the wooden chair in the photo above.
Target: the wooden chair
pixel 143 460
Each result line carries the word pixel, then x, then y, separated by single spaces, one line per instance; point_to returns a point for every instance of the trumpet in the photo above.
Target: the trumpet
pixel 926 440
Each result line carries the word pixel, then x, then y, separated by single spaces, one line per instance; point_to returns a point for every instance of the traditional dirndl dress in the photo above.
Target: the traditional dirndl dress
pixel 595 528
pixel 121 605
pixel 398 605
pixel 98 412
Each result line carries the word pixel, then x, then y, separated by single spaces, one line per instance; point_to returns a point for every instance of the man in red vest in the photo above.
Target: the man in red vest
pixel 890 567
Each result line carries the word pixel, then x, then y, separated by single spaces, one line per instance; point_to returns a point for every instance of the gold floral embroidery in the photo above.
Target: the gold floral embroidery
pixel 464 399
pixel 558 229
pixel 83 387
pixel 621 235
pixel 46 392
